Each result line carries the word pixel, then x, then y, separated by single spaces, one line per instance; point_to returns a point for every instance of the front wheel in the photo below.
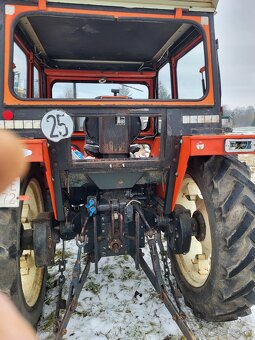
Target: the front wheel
pixel 217 275
pixel 19 276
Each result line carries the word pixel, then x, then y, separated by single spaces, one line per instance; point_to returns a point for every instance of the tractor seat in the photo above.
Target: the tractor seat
pixel 111 137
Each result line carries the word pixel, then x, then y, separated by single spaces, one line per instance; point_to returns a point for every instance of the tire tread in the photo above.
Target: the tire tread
pixel 231 196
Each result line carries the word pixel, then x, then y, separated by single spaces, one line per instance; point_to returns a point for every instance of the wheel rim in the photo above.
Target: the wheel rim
pixel 195 266
pixel 31 276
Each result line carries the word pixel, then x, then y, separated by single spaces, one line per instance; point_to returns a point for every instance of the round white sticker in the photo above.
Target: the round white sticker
pixel 200 146
pixel 57 125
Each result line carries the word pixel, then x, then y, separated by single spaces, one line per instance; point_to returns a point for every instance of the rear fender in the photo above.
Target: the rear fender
pixel 36 151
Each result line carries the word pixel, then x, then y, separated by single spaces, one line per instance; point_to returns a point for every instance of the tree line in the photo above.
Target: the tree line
pixel 241 116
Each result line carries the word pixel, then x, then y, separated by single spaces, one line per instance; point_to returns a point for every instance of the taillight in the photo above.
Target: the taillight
pixel 8 115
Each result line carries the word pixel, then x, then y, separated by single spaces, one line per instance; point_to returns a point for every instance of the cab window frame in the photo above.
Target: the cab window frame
pixel 170 81
pixel 31 63
pixel 37 67
pixel 149 91
pixel 205 38
pixel 22 48
pixel 174 68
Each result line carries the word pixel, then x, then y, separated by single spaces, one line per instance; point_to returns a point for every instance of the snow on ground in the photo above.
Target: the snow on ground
pixel 108 308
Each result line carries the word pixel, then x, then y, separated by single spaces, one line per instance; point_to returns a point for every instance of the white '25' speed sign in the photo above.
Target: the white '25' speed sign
pixel 57 125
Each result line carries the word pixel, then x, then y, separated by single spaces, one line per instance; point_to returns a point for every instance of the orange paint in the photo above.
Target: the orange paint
pixel 202 145
pixel 10 99
pixel 181 169
pixel 155 147
pixel 40 154
pixel 24 198
pixel 212 145
pixel 34 150
pixel 42 5
pixel 49 178
pixel 78 141
pixel 178 13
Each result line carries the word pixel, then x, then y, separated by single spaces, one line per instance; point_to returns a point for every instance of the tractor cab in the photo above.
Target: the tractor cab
pixel 118 105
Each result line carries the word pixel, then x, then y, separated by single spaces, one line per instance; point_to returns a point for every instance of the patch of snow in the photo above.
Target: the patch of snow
pixel 108 308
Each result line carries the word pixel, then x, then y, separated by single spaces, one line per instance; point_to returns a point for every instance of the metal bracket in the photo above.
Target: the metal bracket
pixel 174 149
pixel 42 4
pixel 44 239
pixel 177 317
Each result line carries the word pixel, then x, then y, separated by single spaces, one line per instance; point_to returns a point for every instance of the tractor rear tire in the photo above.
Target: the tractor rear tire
pixel 19 277
pixel 220 287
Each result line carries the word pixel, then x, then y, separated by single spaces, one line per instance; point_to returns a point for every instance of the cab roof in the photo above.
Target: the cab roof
pixel 104 43
pixel 191 5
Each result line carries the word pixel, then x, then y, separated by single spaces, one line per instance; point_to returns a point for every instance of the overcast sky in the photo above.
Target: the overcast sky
pixel 235 29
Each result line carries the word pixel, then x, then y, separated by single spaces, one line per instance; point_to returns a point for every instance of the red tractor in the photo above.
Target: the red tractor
pixel 126 149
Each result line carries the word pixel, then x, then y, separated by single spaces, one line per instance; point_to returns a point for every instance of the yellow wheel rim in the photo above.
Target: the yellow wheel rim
pixel 195 266
pixel 31 276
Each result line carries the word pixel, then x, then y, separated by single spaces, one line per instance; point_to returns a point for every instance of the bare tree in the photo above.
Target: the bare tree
pixel 124 91
pixel 68 93
pixel 242 116
pixel 163 93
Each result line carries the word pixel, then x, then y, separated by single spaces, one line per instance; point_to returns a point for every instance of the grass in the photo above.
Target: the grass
pixel 106 269
pixel 49 323
pixel 127 274
pixel 110 276
pixel 51 282
pixel 58 254
pixel 82 313
pixel 248 334
pixel 93 287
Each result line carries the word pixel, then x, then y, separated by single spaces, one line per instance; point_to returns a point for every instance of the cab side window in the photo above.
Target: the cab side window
pixel 20 69
pixel 164 83
pixel 189 74
pixel 36 83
